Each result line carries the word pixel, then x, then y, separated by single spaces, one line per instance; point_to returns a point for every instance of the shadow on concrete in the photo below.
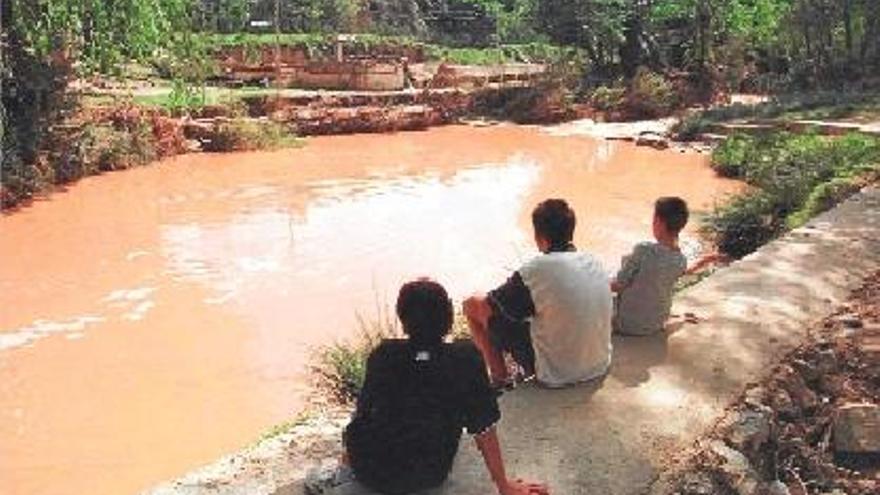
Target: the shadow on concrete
pixel 635 356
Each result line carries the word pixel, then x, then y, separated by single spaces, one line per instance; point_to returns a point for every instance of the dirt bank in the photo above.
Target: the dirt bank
pixel 797 431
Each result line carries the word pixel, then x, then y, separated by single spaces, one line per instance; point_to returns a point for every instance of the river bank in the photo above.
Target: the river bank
pixel 661 395
pixel 114 136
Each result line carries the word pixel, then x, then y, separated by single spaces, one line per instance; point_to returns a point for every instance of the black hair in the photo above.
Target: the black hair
pixel 673 211
pixel 425 311
pixel 554 220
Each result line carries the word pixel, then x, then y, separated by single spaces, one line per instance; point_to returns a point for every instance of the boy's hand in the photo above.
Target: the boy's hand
pixel 520 487
pixel 717 257
pixel 616 286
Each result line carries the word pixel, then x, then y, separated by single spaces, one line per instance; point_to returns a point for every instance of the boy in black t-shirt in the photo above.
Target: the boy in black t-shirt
pixel 418 396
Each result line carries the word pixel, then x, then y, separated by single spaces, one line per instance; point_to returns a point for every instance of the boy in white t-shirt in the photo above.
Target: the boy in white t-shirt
pixel 553 315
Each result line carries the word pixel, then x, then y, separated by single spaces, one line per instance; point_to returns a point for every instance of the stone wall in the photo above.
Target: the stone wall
pixel 352 75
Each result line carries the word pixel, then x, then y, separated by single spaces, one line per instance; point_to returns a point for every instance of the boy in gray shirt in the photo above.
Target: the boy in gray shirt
pixel 647 276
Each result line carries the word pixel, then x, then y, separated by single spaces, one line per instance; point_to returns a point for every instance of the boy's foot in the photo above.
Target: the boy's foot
pixel 510 383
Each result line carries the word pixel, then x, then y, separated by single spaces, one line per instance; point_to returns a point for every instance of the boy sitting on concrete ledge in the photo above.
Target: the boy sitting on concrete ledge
pixel 646 281
pixel 553 315
pixel 418 396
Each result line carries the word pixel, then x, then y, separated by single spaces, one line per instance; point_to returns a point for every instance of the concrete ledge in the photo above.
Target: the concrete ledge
pixel 619 435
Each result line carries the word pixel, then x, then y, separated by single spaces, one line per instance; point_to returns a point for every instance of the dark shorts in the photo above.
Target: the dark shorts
pixel 512 337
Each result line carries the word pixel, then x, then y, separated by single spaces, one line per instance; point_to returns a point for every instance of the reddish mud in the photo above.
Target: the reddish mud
pixel 154 319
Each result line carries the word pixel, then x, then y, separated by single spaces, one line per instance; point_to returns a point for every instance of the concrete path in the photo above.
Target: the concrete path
pixel 617 436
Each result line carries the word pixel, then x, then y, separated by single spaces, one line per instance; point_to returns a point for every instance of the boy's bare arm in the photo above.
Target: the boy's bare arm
pixel 489 446
pixel 705 261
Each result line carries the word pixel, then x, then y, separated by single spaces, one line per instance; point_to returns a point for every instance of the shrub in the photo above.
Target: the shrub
pixel 691 126
pixel 731 157
pixel 21 179
pixel 743 225
pixel 608 99
pixel 101 147
pixel 249 134
pixel 787 167
pixel 794 177
pixel 550 99
pixel 650 95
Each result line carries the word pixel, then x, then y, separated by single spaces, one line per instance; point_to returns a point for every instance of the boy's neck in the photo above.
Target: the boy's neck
pixel 670 241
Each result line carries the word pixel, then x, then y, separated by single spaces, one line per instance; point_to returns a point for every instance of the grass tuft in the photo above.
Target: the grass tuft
pixel 250 134
pixel 341 367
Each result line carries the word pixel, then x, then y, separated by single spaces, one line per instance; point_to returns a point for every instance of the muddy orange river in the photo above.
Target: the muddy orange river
pixel 154 319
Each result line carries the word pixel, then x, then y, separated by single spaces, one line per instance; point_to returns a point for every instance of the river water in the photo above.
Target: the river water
pixel 154 319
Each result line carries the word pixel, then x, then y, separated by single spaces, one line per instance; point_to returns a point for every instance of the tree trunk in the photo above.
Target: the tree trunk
pixel 869 38
pixel 848 28
pixel 631 50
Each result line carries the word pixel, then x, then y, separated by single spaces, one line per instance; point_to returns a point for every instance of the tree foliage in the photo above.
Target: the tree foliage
pixel 45 43
pixel 99 34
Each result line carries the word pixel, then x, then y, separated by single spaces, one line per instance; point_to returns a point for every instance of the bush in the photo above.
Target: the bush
pixel 691 126
pixel 788 167
pixel 549 100
pixel 608 99
pixel 743 225
pixel 731 157
pixel 249 134
pixel 794 177
pixel 650 95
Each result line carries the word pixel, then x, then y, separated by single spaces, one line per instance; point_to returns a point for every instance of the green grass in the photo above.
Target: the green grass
pixel 209 96
pixel 503 54
pixel 300 419
pixel 240 39
pixel 324 44
pixel 469 56
pixel 341 367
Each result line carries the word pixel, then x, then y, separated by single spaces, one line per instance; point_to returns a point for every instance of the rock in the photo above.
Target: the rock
pixel 756 396
pixel 857 429
pixel 699 483
pixel 781 402
pixel 656 141
pixel 193 145
pixel 826 361
pixel 797 388
pixel 736 469
pixel 807 370
pixel 776 488
pixel 748 430
pixel 834 385
pixel 849 320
